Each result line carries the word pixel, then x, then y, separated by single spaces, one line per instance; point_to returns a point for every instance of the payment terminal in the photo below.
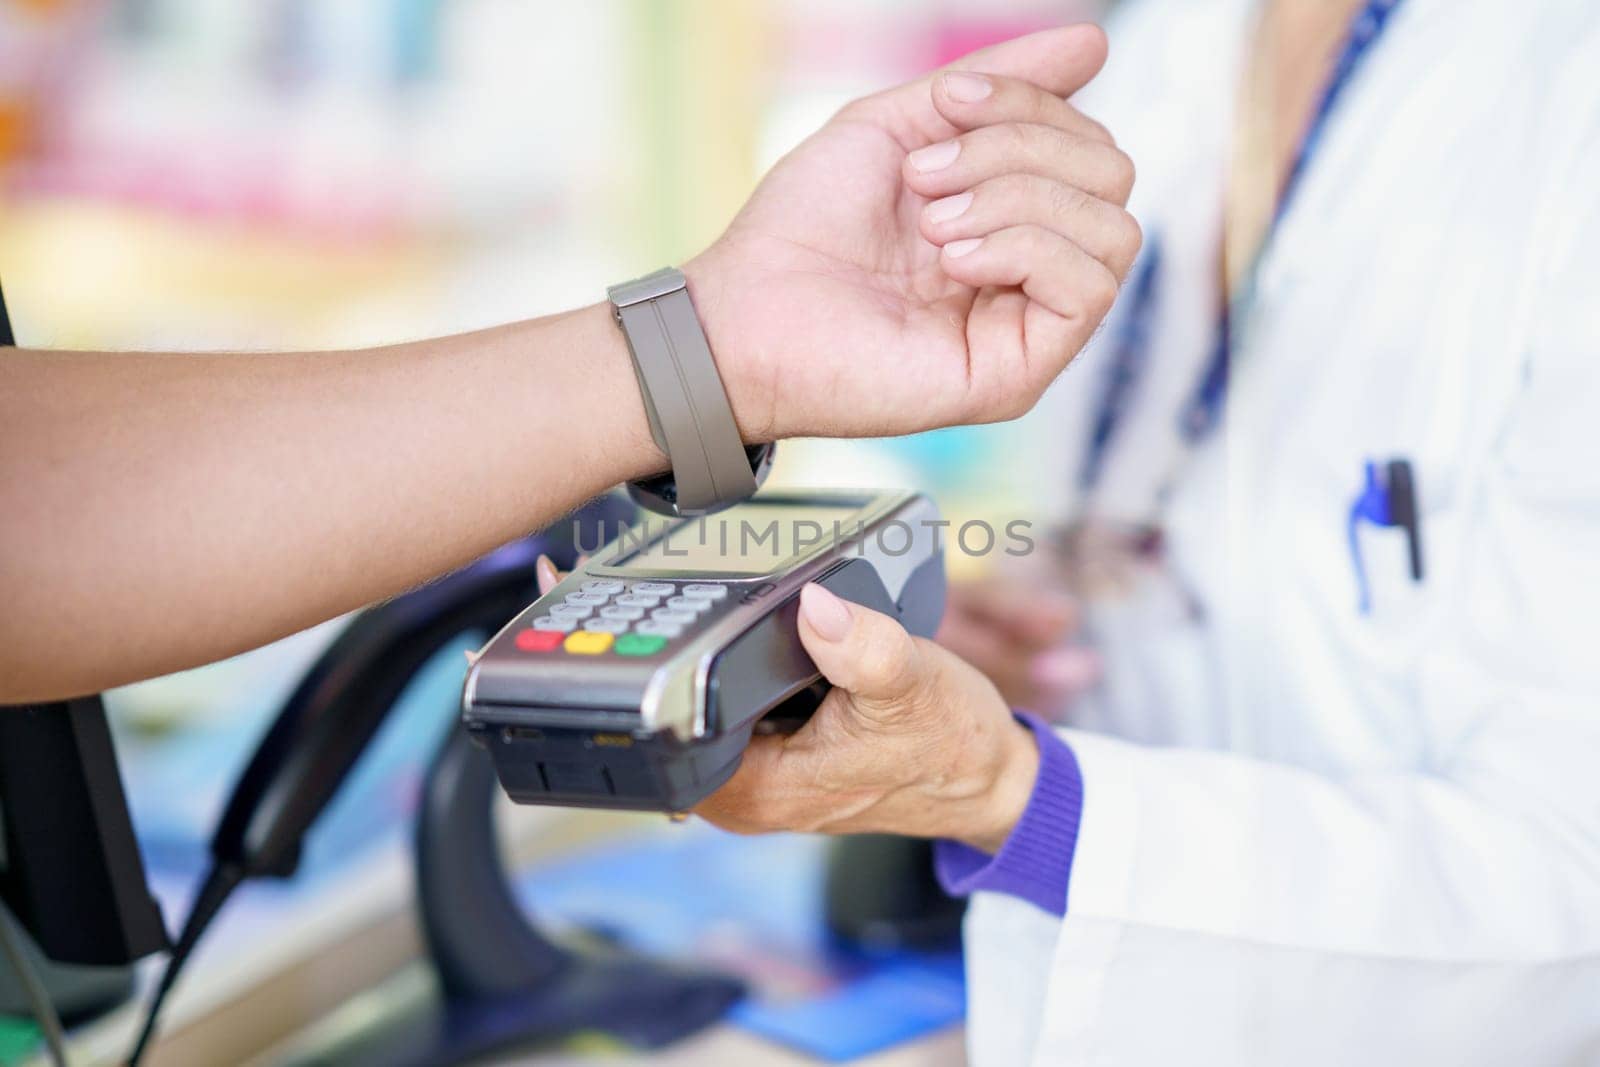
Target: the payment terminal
pixel 639 679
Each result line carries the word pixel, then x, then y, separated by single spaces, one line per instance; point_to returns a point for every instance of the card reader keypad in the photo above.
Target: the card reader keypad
pixel 606 616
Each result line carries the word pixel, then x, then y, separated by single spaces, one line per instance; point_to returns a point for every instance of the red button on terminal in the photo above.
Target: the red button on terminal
pixel 539 640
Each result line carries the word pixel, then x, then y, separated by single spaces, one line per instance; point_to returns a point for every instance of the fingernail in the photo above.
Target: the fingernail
pixel 545 572
pixel 948 208
pixel 957 249
pixel 825 612
pixel 936 156
pixel 1066 669
pixel 967 88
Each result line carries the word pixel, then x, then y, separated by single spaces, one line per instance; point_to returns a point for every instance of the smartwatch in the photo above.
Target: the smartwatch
pixel 684 401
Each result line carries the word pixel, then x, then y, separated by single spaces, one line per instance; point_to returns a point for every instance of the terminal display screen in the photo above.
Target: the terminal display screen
pixel 755 538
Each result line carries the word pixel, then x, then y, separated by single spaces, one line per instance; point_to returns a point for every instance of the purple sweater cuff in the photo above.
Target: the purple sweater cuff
pixel 1035 863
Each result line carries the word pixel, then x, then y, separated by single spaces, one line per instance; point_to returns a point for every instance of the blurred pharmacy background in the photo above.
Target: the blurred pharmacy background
pixel 258 174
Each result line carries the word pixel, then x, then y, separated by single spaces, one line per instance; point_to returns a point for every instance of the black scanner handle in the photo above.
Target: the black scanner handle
pixel 326 725
pixel 336 710
pixel 333 714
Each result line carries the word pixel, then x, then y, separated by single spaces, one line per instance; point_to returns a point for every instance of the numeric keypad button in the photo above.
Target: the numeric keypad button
pixel 673 616
pixel 660 628
pixel 653 588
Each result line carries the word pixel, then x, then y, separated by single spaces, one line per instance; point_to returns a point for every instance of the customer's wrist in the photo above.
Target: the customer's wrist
pixel 749 393
pixel 588 357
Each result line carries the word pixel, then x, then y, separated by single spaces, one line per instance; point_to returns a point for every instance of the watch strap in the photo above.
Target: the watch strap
pixel 684 398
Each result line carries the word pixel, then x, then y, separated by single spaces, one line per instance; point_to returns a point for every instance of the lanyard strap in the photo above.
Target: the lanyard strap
pixel 1364 33
pixel 1205 408
pixel 1128 355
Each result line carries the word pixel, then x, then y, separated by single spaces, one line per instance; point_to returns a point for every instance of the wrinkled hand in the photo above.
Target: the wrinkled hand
pixel 910 741
pixel 1020 635
pixel 935 254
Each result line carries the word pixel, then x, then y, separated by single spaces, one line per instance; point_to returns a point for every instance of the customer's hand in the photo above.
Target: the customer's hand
pixel 934 255
pixel 911 741
pixel 1020 633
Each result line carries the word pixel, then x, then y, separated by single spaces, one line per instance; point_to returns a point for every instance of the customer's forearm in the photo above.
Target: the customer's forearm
pixel 161 511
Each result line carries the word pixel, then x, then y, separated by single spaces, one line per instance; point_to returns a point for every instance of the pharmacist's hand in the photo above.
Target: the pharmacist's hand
pixel 910 741
pixel 1020 633
pixel 935 254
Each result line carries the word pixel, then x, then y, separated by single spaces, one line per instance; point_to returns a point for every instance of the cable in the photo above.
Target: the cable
pixel 220 881
pixel 11 936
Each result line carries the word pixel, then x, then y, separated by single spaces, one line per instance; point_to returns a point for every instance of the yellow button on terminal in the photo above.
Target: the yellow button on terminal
pixel 587 643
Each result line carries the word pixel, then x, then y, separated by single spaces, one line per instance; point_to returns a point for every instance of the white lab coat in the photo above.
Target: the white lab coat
pixel 1310 836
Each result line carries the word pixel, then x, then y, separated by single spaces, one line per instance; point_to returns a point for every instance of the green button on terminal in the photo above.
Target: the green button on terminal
pixel 639 644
